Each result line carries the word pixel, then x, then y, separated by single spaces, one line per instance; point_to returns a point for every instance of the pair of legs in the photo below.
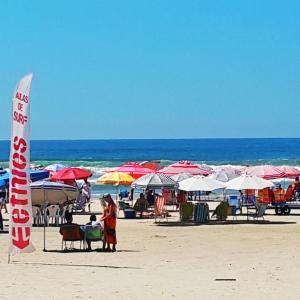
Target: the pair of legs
pixel 106 247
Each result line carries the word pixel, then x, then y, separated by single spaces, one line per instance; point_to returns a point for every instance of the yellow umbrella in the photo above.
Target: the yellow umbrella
pixel 116 179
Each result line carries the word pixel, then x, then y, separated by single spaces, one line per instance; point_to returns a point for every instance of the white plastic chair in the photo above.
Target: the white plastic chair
pixel 36 214
pixel 61 215
pixel 52 214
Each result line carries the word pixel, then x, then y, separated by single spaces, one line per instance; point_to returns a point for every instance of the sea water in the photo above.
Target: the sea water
pixel 99 154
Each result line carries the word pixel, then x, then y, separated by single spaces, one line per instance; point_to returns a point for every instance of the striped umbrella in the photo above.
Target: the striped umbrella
pixel 264 171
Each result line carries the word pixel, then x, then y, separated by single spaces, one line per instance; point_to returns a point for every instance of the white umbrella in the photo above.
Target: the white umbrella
pixel 52 192
pixel 55 167
pixel 247 182
pixel 225 174
pixel 154 181
pixel 200 183
pixel 181 176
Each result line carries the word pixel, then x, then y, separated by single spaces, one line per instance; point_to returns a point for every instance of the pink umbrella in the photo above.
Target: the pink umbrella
pixel 184 167
pixel 265 171
pixel 289 172
pixel 134 169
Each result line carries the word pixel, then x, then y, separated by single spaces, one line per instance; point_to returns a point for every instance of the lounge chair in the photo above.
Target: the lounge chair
pixel 186 211
pixel 259 212
pixel 70 233
pixel 159 208
pixel 221 211
pixel 201 213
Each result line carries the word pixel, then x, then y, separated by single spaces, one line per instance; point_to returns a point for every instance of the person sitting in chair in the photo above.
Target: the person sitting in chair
pixel 93 222
pixel 141 205
pixel 69 221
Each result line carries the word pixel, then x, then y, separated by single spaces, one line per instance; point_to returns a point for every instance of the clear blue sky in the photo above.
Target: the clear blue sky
pixel 153 69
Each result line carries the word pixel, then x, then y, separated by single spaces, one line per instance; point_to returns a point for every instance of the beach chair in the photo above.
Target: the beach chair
pixel 93 234
pixel 201 213
pixel 121 206
pixel 36 215
pixel 70 233
pixel 259 212
pixel 234 205
pixel 52 214
pixel 159 208
pixel 61 215
pixel 221 211
pixel 186 211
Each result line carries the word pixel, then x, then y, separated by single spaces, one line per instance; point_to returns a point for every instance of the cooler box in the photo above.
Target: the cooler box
pixel 129 213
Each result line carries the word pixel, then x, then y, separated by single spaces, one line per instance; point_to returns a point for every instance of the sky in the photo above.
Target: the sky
pixel 153 69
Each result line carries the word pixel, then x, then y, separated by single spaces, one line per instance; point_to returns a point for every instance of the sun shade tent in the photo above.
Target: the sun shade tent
pixel 184 167
pixel 200 183
pixel 247 182
pixel 154 181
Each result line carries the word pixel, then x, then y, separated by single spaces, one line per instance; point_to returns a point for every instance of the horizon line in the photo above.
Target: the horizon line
pixel 142 139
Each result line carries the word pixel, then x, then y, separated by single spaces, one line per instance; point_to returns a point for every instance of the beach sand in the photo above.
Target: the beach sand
pixel 170 261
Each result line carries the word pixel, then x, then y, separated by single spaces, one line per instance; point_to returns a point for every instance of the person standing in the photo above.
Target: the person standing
pixel 110 222
pixel 86 193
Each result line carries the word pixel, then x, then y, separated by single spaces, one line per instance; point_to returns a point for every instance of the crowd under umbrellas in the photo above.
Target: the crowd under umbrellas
pixel 184 176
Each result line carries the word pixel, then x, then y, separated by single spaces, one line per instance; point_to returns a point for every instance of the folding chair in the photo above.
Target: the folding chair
pixel 159 208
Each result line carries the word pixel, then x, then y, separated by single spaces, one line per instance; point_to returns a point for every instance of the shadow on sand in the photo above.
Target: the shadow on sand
pixel 228 222
pixel 74 265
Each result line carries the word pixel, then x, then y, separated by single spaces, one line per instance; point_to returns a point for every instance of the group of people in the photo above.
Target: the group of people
pixel 109 219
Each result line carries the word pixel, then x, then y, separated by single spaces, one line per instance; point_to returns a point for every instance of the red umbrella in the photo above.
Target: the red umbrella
pixel 71 174
pixel 184 167
pixel 133 169
pixel 153 165
pixel 264 171
pixel 289 172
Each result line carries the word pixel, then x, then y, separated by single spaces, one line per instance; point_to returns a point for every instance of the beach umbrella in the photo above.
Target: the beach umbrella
pixel 289 171
pixel 45 192
pixel 180 177
pixel 55 168
pixel 34 176
pixel 52 192
pixel 115 178
pixel 264 171
pixel 133 169
pixel 153 165
pixel 154 181
pixel 248 182
pixel 200 183
pixel 225 174
pixel 71 174
pixel 184 167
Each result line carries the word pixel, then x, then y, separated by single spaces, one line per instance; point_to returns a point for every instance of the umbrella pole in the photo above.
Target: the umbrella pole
pixel 44 221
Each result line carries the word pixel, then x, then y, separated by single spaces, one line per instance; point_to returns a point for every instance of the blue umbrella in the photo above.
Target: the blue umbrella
pixel 35 175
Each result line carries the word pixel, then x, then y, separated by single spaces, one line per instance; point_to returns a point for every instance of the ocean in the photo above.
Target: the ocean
pixel 99 154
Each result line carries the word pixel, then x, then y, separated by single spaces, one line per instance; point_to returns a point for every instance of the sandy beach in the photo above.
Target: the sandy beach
pixel 235 260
